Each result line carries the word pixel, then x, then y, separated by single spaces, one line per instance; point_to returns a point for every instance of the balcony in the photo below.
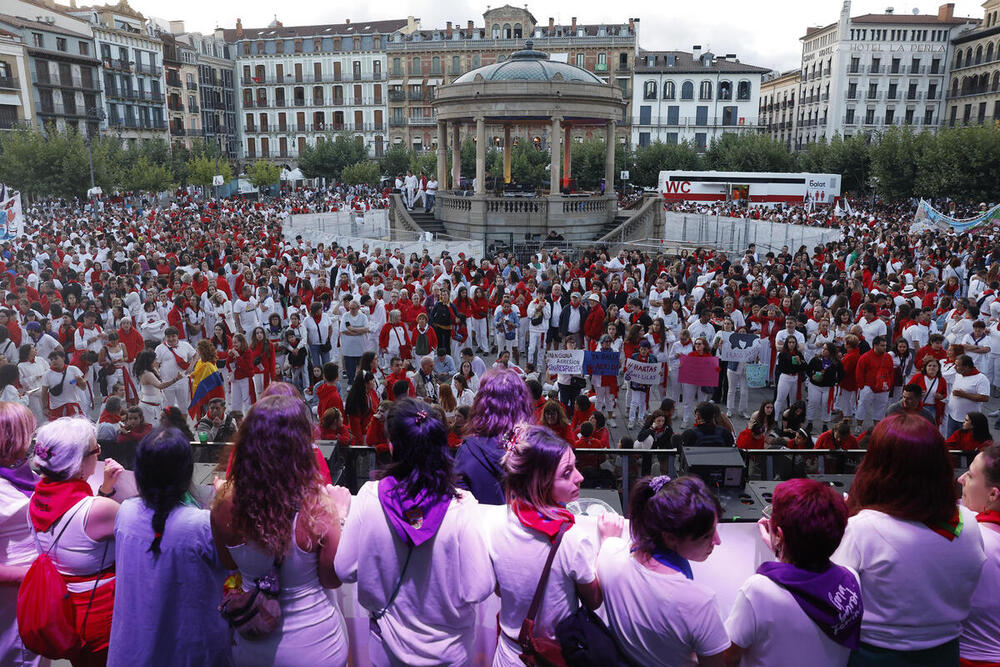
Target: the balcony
pixel 397 122
pixel 690 122
pixel 191 85
pixel 397 96
pixel 422 121
pixel 177 131
pixel 892 95
pixel 193 108
pixel 173 81
pixel 913 95
pixel 415 95
pixel 117 64
pixel 175 106
pixel 854 69
pixel 300 102
pixel 149 70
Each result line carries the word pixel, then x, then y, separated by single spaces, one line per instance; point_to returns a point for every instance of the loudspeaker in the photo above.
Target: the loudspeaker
pixel 719 467
pixel 740 506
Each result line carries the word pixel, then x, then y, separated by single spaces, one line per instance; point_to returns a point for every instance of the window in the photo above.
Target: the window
pixel 496 31
pixel 891 93
pixel 915 66
pixel 725 90
pixel 602 59
pixel 729 115
pixel 872 91
pixel 645 114
pixel 643 139
pixel 894 66
pixel 908 117
pixel 38 39
pixel 852 90
pixel 700 141
pixel 415 66
pixel 935 65
pixel 671 138
pixel 743 91
pixel 876 64
pixel 673 115
pixel 687 91
pixel 701 115
pixel 890 115
pixel 579 60
pixel 649 90
pixel 849 117
pixel 870 116
pixel 705 90
pixel 669 91
pixel 397 67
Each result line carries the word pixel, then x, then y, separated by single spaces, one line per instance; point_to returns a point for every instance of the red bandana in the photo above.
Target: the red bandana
pixel 535 520
pixel 53 499
pixel 948 529
pixel 991 516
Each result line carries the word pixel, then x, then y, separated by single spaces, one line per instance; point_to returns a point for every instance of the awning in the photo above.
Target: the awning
pixel 434 82
pixel 293 175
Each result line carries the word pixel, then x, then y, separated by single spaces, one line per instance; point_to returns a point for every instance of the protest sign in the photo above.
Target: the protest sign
pixel 738 347
pixel 643 372
pixel 700 371
pixel 564 361
pixel 600 362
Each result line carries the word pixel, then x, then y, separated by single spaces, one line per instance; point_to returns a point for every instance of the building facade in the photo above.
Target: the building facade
pixel 777 106
pixel 974 91
pixel 215 86
pixel 300 85
pixel 693 97
pixel 867 73
pixel 132 82
pixel 180 65
pixel 62 68
pixel 422 60
pixel 15 82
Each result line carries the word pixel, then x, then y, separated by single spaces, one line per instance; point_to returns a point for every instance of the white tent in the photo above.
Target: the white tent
pixel 293 175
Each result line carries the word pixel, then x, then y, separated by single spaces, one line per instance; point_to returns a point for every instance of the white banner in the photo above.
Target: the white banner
pixel 643 372
pixel 564 361
pixel 738 347
pixel 13 218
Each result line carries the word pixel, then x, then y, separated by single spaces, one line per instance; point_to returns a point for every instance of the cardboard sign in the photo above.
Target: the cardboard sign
pixel 643 372
pixel 564 361
pixel 700 371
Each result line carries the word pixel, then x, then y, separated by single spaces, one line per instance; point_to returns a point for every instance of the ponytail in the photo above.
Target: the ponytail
pixel 164 464
pixel 683 507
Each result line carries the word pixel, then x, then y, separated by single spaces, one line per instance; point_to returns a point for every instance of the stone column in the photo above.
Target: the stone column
pixel 507 148
pixel 456 156
pixel 567 153
pixel 609 160
pixel 480 155
pixel 555 135
pixel 442 155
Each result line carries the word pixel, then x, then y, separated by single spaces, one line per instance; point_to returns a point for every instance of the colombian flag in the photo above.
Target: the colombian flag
pixel 206 384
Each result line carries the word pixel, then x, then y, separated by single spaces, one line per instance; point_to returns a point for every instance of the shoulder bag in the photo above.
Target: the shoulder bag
pixel 255 613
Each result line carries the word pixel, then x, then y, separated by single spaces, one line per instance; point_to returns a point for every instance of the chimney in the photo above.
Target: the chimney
pixel 239 29
pixel 552 27
pixel 946 12
pixel 631 26
pixel 573 29
pixel 347 21
pixel 177 27
pixel 696 52
pixel 471 28
pixel 447 31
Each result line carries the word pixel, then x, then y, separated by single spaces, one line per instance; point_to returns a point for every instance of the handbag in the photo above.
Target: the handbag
pixel 58 389
pixel 539 650
pixel 587 642
pixel 255 613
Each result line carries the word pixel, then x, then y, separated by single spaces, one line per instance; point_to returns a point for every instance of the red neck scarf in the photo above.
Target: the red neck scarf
pixel 535 520
pixel 53 499
pixel 990 516
pixel 949 529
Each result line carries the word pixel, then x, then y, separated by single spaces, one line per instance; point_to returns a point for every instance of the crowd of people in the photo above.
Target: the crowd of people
pixel 123 315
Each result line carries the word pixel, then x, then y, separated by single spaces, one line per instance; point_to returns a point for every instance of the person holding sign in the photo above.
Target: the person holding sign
pixel 606 386
pixel 736 376
pixel 689 392
pixel 680 347
pixel 639 393
pixel 570 384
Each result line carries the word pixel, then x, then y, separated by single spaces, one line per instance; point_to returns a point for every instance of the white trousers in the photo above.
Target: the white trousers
pixel 477 331
pixel 636 406
pixel 737 382
pixel 536 348
pixel 818 402
pixel 689 397
pixel 240 398
pixel 787 389
pixel 178 394
pixel 871 405
pixel 847 402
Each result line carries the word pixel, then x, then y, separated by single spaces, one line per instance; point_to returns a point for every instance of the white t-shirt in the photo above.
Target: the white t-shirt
pixel 661 619
pixel 772 628
pixel 432 620
pixel 518 555
pixel 959 407
pixel 15 536
pixel 71 386
pixel 917 585
pixel 981 631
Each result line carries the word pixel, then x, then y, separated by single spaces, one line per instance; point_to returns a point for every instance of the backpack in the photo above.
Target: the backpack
pixel 45 615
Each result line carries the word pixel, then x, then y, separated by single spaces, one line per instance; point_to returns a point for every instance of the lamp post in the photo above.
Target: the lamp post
pixel 98 115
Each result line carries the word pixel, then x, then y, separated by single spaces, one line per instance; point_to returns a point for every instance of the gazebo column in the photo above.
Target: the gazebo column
pixel 442 155
pixel 480 155
pixel 554 140
pixel 567 154
pixel 506 153
pixel 456 156
pixel 609 159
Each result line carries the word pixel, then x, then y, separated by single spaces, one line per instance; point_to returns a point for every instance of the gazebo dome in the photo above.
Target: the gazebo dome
pixel 529 65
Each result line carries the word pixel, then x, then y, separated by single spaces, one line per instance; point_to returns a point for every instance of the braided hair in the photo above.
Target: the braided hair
pixel 164 464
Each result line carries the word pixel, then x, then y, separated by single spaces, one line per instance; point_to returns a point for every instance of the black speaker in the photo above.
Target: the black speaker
pixel 740 506
pixel 719 467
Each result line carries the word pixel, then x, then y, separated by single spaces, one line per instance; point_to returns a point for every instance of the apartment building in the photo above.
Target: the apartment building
pixel 866 73
pixel 421 60
pixel 180 64
pixel 693 97
pixel 15 82
pixel 974 91
pixel 777 115
pixel 299 85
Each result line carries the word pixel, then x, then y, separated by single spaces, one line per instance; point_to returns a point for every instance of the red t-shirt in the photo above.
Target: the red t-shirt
pixel 329 397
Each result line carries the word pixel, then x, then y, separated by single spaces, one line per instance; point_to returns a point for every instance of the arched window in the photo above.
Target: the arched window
pixel 725 90
pixel 989 53
pixel 436 65
pixel 669 90
pixel 496 31
pixel 958 59
pixel 743 91
pixel 649 90
pixel 968 56
pixel 705 90
pixel 979 54
pixel 517 31
pixel 415 65
pixel 996 82
pixel 954 87
pixel 507 32
pixel 687 91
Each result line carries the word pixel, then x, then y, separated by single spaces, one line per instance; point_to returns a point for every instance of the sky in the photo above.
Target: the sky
pixel 764 33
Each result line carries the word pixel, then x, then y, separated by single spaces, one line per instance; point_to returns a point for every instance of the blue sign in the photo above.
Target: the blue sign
pixel 602 363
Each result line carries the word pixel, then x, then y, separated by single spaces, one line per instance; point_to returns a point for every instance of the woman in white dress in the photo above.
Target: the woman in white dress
pixel 273 513
pixel 32 369
pixel 151 386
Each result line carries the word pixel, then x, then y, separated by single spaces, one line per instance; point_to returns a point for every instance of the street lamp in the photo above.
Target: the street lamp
pixel 98 115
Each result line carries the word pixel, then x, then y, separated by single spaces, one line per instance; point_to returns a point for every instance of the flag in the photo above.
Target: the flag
pixel 12 221
pixel 206 384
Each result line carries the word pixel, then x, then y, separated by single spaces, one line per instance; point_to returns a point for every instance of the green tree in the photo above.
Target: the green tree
pixel 146 176
pixel 263 174
pixel 424 163
pixel 895 161
pixel 328 158
pixel 361 173
pixel 652 159
pixel 201 171
pixel 395 161
pixel 736 151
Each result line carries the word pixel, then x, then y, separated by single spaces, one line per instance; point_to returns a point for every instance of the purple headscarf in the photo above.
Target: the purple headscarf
pixel 415 520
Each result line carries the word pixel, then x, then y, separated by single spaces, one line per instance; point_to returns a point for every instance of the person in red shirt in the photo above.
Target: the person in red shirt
pixel 555 418
pixel 752 437
pixel 583 409
pixel 327 392
pixel 934 348
pixel 973 435
pixel 848 399
pixel 589 464
pixel 398 374
pixel 838 437
pixel 874 375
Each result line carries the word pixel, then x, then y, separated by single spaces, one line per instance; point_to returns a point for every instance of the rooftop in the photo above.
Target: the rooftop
pixel 279 31
pixel 529 65
pixel 687 62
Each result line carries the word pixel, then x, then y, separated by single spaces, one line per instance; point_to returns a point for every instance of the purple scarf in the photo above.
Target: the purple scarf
pixel 832 598
pixel 21 477
pixel 415 520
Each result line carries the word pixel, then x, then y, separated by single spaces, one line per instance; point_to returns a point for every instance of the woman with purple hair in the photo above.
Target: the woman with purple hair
pixel 801 604
pixel 501 404
pixel 413 545
pixel 918 553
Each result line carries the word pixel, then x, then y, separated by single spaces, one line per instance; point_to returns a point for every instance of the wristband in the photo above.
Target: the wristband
pixel 107 495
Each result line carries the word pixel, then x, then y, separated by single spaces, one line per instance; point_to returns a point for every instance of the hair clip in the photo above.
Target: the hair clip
pixel 43 452
pixel 420 417
pixel 657 483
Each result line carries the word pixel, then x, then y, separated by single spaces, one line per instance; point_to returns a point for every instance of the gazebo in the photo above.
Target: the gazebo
pixel 525 91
